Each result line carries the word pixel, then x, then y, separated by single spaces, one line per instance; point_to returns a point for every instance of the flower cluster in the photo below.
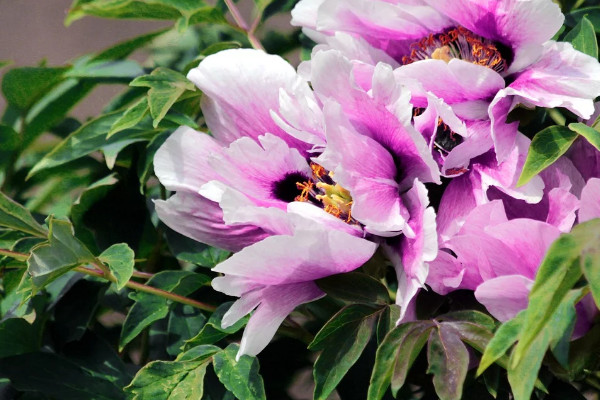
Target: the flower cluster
pixel 309 173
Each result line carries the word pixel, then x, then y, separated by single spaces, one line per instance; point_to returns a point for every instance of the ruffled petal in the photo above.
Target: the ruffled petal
pixel 242 87
pixel 384 114
pixel 305 256
pixel 412 255
pixel 276 303
pixel 181 163
pixel 260 169
pixel 201 219
pixel 521 25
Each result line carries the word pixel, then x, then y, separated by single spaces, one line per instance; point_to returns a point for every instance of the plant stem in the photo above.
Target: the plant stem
pixel 149 289
pixel 239 20
pixel 14 254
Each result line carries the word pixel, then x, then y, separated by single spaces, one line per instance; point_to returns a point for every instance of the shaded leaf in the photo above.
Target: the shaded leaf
pixel 342 339
pixel 591 13
pixel 23 86
pixel 546 147
pixel 17 336
pixel 184 322
pixel 89 138
pixel 15 216
pixel 588 235
pixel 506 335
pixel 388 355
pixel 239 377
pixel 212 332
pixel 149 308
pixel 355 287
pixel 448 362
pixel 57 377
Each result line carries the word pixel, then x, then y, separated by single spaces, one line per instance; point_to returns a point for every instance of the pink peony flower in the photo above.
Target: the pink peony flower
pixel 478 57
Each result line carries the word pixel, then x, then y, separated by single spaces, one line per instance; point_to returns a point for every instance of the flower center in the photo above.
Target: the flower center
pixel 458 43
pixel 445 138
pixel 321 190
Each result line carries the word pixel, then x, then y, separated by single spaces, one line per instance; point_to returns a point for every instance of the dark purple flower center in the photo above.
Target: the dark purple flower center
pixel 462 44
pixel 445 138
pixel 287 189
pixel 319 189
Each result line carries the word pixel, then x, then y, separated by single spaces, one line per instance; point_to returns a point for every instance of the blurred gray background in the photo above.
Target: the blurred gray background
pixel 34 30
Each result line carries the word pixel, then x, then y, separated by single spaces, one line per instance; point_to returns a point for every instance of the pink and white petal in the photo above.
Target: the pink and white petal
pixel 255 168
pixel 238 209
pixel 458 200
pixel 306 12
pixel 478 142
pixel 562 77
pixel 307 255
pixel 201 219
pixel 277 302
pixel 370 180
pixel 389 124
pixel 527 240
pixel 446 274
pixel 383 20
pixel 515 23
pixel 181 163
pixel 457 82
pixel 484 216
pixel 590 201
pixel 562 208
pixel 411 256
pixel 504 296
pixel 243 87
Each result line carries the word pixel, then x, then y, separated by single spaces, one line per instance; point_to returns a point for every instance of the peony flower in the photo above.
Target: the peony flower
pixel 303 184
pixel 474 56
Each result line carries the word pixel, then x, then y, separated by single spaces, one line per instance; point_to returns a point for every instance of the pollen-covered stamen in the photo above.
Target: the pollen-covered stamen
pixel 321 190
pixel 458 43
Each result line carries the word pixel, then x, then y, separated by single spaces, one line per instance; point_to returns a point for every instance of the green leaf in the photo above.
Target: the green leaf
pixel 588 237
pixel 591 13
pixel 591 135
pixel 239 377
pixel 448 362
pixel 342 339
pixel 92 194
pixel 53 106
pixel 387 321
pixel 149 308
pixel 15 216
pixel 169 380
pixel 506 335
pixel 127 47
pixel 131 117
pixel 57 377
pixel 355 287
pixel 184 322
pixel 546 147
pixel 401 345
pixel 17 336
pixel 166 87
pixel 89 138
pixel 212 332
pixel 108 70
pixel 184 11
pixel 583 38
pixel 9 143
pixel 523 372
pixel 556 275
pixel 192 251
pixel 59 255
pixel 120 260
pixel 23 86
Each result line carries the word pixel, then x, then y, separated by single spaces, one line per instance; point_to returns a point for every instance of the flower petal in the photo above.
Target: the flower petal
pixel 181 163
pixel 505 296
pixel 242 87
pixel 201 219
pixel 590 201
